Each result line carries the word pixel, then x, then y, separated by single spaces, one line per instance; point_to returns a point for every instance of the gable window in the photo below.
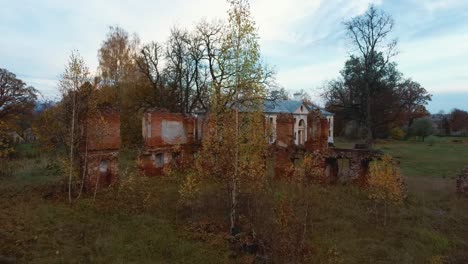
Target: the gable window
pixel 302 108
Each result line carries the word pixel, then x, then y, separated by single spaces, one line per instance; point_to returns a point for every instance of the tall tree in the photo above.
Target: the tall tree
pixel 116 55
pixel 371 93
pixel 413 98
pixel 459 121
pixel 119 71
pixel 75 76
pixel 369 34
pixel 233 151
pixel 16 98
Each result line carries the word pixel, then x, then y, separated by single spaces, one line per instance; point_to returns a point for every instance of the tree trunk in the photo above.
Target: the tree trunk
pixel 234 179
pixel 70 174
pixel 85 165
pixel 369 136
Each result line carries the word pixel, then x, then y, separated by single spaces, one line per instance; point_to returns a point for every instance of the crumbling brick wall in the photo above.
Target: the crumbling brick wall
pixel 283 149
pixel 462 182
pixel 103 169
pixel 317 132
pixel 99 155
pixel 284 130
pixel 168 138
pixel 283 159
pixel 357 169
pixel 166 129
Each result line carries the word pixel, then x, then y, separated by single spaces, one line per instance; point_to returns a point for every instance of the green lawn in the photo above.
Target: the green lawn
pixel 140 223
pixel 440 158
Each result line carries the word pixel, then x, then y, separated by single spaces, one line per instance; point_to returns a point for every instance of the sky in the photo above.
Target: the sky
pixel 304 40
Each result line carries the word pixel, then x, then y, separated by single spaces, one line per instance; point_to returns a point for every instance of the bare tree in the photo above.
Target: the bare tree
pixel 370 35
pixel 149 62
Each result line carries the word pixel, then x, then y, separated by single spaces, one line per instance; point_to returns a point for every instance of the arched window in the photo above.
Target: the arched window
pixel 301 123
pixel 301 132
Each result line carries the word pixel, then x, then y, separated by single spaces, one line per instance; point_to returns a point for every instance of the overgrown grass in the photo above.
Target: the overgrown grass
pixel 120 226
pixel 140 221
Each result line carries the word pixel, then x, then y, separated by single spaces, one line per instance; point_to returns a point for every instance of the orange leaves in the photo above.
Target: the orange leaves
pixel 189 189
pixel 386 182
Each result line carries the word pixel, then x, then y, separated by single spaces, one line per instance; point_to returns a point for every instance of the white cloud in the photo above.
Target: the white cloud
pixel 437 62
pixel 435 5
pixel 295 36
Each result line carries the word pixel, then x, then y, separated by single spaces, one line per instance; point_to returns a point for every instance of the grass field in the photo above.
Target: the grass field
pixel 124 226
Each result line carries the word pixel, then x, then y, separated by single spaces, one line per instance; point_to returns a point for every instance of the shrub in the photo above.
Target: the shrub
pixel 397 133
pixel 386 183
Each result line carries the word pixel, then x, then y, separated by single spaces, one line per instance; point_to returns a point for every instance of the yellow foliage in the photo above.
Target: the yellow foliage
pixel 386 182
pixel 437 260
pixel 6 144
pixel 313 170
pixel 189 189
pixel 397 133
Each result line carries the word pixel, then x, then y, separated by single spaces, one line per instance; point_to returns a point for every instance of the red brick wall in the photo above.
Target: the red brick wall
pixel 96 177
pixel 317 132
pixel 104 131
pixel 155 120
pixel 284 130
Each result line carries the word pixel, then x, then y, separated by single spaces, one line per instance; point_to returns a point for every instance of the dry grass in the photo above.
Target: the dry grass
pixel 127 226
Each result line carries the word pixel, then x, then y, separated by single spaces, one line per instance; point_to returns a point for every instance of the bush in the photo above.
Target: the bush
pixel 397 133
pixel 386 183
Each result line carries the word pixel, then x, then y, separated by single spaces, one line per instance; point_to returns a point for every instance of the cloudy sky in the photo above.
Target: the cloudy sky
pixel 303 39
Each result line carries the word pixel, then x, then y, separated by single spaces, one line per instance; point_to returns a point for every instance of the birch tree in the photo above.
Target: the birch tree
pixel 233 150
pixel 74 77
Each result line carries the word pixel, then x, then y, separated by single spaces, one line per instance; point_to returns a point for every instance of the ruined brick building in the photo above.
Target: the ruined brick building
pixel 168 137
pixel 99 155
pixel 296 128
pixel 172 137
pixel 300 111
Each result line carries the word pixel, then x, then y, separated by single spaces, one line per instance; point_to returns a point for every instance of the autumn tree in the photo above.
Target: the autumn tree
pixel 50 129
pixel 74 78
pixel 16 100
pixel 116 56
pixel 16 97
pixel 386 184
pixel 413 99
pixel 458 120
pixel 233 152
pixel 6 142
